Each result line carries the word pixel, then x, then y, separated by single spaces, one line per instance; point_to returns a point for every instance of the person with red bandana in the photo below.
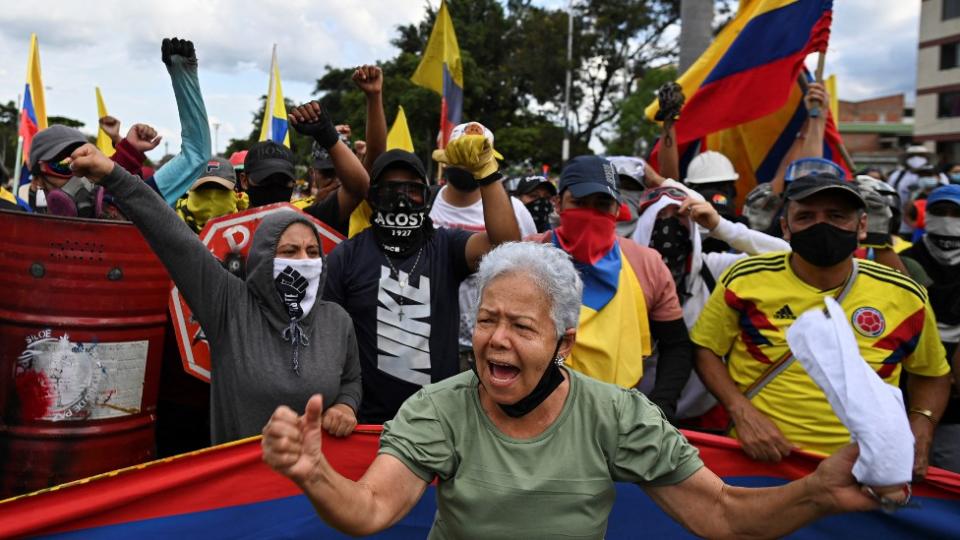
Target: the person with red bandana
pixel 629 298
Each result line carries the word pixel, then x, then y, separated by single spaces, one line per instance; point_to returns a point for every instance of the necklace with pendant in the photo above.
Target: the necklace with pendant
pixel 403 279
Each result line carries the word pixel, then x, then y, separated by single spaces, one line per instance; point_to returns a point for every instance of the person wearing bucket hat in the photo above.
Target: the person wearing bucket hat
pixel 938 254
pixel 629 297
pixel 397 278
pixel 211 196
pixel 758 298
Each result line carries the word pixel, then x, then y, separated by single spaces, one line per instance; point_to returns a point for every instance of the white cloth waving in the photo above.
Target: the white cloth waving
pixel 871 409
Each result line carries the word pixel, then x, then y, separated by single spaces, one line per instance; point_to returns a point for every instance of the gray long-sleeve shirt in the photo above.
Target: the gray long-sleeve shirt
pixel 243 320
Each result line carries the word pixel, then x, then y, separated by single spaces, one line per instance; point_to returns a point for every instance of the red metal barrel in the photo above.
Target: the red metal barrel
pixel 82 313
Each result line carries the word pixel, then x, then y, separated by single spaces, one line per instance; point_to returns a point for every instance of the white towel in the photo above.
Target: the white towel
pixel 871 409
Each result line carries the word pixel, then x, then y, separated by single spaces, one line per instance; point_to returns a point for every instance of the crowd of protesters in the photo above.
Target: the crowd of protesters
pixel 680 293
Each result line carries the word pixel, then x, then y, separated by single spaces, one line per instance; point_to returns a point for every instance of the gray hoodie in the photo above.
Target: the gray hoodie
pixel 251 371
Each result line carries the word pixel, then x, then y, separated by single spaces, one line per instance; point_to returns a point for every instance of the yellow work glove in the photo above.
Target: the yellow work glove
pixel 473 153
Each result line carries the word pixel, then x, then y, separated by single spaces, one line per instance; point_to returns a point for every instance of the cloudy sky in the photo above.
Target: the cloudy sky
pixel 115 44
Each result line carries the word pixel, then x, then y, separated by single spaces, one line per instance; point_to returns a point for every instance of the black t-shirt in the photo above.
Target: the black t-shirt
pixel 328 211
pixel 406 325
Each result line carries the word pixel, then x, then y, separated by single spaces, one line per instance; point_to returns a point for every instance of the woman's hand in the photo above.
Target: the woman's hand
pixel 90 163
pixel 339 420
pixel 292 444
pixel 835 489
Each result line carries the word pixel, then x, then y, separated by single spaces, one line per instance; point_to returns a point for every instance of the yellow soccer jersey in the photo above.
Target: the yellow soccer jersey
pixel 758 298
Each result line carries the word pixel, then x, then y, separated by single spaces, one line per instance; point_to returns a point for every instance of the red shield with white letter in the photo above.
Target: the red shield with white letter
pixel 229 238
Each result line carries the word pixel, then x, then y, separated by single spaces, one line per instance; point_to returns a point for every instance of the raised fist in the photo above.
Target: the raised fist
pixel 311 120
pixel 90 163
pixel 670 98
pixel 143 137
pixel 177 47
pixel 292 287
pixel 369 79
pixel 111 126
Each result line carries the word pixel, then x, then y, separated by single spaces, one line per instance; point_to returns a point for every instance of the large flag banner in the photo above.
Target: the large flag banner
pixel 274 127
pixel 228 492
pixel 748 78
pixel 399 134
pixel 33 112
pixel 103 140
pixel 441 70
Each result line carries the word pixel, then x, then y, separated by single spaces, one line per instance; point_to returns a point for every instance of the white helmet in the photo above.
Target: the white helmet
pixel 709 167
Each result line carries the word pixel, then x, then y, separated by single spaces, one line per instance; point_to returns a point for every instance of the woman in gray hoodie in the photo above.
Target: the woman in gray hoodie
pixel 272 340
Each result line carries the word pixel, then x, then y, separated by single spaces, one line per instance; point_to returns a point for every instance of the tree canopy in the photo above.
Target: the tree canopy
pixel 514 62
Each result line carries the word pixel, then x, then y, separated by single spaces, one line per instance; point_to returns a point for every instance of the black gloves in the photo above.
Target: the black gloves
pixel 312 120
pixel 177 47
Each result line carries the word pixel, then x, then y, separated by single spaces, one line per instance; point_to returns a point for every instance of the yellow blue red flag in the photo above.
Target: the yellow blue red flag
pixel 274 126
pixel 743 94
pixel 441 70
pixel 33 112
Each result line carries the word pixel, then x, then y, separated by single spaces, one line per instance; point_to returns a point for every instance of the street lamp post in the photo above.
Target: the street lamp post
pixel 565 152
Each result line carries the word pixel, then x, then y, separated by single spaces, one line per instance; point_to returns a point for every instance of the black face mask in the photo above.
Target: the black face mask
pixel 268 193
pixel 823 244
pixel 460 179
pixel 671 238
pixel 400 224
pixel 549 381
pixel 540 210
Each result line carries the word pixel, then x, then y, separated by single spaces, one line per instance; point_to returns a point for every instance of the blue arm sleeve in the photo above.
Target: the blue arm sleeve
pixel 175 178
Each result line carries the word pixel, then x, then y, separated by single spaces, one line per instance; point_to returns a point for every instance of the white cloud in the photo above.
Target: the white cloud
pixel 116 44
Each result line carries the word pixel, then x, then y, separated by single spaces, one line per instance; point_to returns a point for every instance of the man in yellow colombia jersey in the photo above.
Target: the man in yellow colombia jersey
pixel 758 298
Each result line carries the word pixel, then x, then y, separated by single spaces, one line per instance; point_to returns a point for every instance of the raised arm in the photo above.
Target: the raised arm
pixel 739 236
pixel 709 508
pixel 312 120
pixel 292 445
pixel 809 142
pixel 670 98
pixel 370 81
pixel 203 282
pixel 178 174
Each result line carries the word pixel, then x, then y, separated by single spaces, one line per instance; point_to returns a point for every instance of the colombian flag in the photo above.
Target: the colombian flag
pixel 744 97
pixel 274 127
pixel 33 114
pixel 613 334
pixel 228 492
pixel 441 70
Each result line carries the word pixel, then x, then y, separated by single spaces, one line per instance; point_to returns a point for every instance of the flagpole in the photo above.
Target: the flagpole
pixel 17 165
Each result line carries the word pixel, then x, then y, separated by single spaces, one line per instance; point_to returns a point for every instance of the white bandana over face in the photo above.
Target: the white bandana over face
pixel 297 281
pixel 943 239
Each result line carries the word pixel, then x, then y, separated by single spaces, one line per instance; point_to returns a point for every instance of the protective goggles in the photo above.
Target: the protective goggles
pixel 56 168
pixel 807 166
pixel 651 196
pixel 387 191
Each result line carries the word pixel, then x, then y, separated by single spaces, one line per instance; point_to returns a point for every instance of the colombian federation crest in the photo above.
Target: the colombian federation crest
pixel 868 322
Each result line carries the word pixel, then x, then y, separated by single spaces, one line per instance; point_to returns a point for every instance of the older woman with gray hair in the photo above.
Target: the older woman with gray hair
pixel 524 448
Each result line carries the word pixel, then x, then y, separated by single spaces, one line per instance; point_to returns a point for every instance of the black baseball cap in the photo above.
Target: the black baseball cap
pixel 807 186
pixel 397 158
pixel 586 175
pixel 267 158
pixel 530 183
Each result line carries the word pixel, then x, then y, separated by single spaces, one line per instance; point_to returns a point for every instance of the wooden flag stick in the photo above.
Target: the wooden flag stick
pixel 844 154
